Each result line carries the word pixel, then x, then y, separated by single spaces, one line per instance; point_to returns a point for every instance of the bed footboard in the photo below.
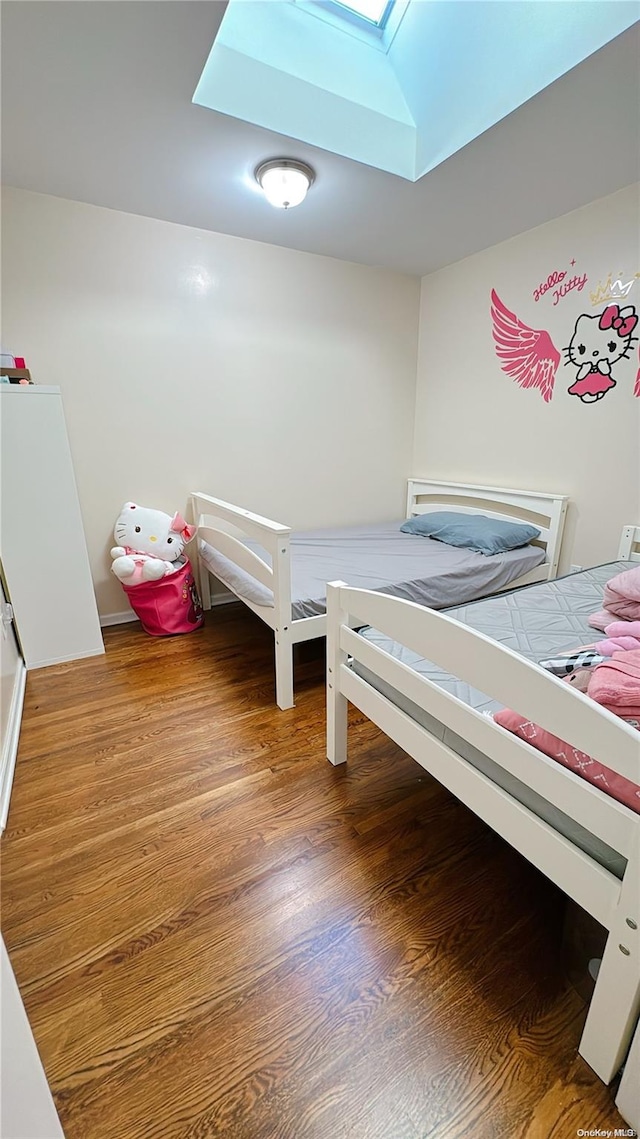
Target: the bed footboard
pixel 514 682
pixel 215 520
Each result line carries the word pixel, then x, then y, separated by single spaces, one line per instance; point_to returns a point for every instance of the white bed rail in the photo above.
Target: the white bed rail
pixel 208 512
pixel 508 678
pixel 544 510
pixel 486 665
pixel 629 550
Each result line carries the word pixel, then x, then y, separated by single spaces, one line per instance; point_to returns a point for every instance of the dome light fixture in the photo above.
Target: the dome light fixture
pixel 284 181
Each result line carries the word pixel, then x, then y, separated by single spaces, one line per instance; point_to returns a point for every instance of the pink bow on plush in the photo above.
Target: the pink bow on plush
pixel 612 317
pixel 181 527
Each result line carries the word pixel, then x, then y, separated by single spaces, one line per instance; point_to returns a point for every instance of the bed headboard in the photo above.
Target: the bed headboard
pixel 545 510
pixel 630 544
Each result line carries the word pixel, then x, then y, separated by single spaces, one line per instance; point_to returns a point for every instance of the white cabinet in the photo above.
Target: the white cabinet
pixel 42 543
pixel 27 1109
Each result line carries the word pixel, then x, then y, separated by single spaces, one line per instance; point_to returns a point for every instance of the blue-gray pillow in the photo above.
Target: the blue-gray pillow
pixel 475 531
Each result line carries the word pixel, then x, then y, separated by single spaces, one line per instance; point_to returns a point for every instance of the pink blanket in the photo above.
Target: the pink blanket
pixel 613 645
pixel 616 684
pixel 577 761
pixel 623 629
pixel 621 599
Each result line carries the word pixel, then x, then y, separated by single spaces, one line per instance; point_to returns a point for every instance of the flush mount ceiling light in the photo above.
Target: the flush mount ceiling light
pixel 284 181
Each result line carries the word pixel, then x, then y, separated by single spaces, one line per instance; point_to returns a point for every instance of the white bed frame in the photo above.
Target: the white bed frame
pixel 509 678
pixel 547 511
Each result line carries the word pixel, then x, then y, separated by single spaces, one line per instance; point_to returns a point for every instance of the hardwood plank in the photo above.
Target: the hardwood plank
pixel 217 933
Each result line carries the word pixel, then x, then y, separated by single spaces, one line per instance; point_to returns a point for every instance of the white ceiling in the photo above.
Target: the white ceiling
pixel 96 106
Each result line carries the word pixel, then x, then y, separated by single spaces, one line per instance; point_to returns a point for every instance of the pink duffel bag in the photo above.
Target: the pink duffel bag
pixel 169 605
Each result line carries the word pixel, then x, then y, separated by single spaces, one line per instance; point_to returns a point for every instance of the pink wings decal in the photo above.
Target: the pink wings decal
pixel 526 354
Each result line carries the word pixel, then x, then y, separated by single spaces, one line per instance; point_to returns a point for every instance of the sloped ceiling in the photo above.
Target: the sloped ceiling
pixel 97 107
pixel 450 72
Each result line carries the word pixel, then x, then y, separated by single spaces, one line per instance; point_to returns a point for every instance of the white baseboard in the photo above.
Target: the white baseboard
pixel 128 614
pixel 66 659
pixel 117 618
pixel 10 746
pixel 222 599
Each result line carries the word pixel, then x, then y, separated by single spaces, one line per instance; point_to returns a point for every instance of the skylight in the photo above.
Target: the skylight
pixel 402 97
pixel 374 11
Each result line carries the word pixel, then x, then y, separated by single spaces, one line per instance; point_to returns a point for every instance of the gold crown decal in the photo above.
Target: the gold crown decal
pixel 612 290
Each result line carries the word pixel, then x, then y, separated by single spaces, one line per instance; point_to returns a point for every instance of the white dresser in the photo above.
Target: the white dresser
pixel 42 542
pixel 27 1109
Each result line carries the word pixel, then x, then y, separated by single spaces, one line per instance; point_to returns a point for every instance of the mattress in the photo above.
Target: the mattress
pixel 536 621
pixel 380 557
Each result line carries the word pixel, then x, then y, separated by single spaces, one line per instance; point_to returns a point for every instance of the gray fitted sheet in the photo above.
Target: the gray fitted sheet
pixel 537 621
pixel 380 557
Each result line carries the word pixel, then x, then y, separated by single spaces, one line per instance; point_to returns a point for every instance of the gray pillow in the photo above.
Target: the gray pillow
pixel 475 531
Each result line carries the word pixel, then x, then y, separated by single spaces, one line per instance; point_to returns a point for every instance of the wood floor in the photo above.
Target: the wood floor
pixel 216 933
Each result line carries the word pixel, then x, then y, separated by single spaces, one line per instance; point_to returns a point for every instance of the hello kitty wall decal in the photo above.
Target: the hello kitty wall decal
pixel 596 347
pixel 557 282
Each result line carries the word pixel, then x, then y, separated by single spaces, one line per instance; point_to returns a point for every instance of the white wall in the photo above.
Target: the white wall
pixel 191 360
pixel 473 422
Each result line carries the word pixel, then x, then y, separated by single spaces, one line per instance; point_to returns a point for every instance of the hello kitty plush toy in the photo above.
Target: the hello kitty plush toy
pixel 150 544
